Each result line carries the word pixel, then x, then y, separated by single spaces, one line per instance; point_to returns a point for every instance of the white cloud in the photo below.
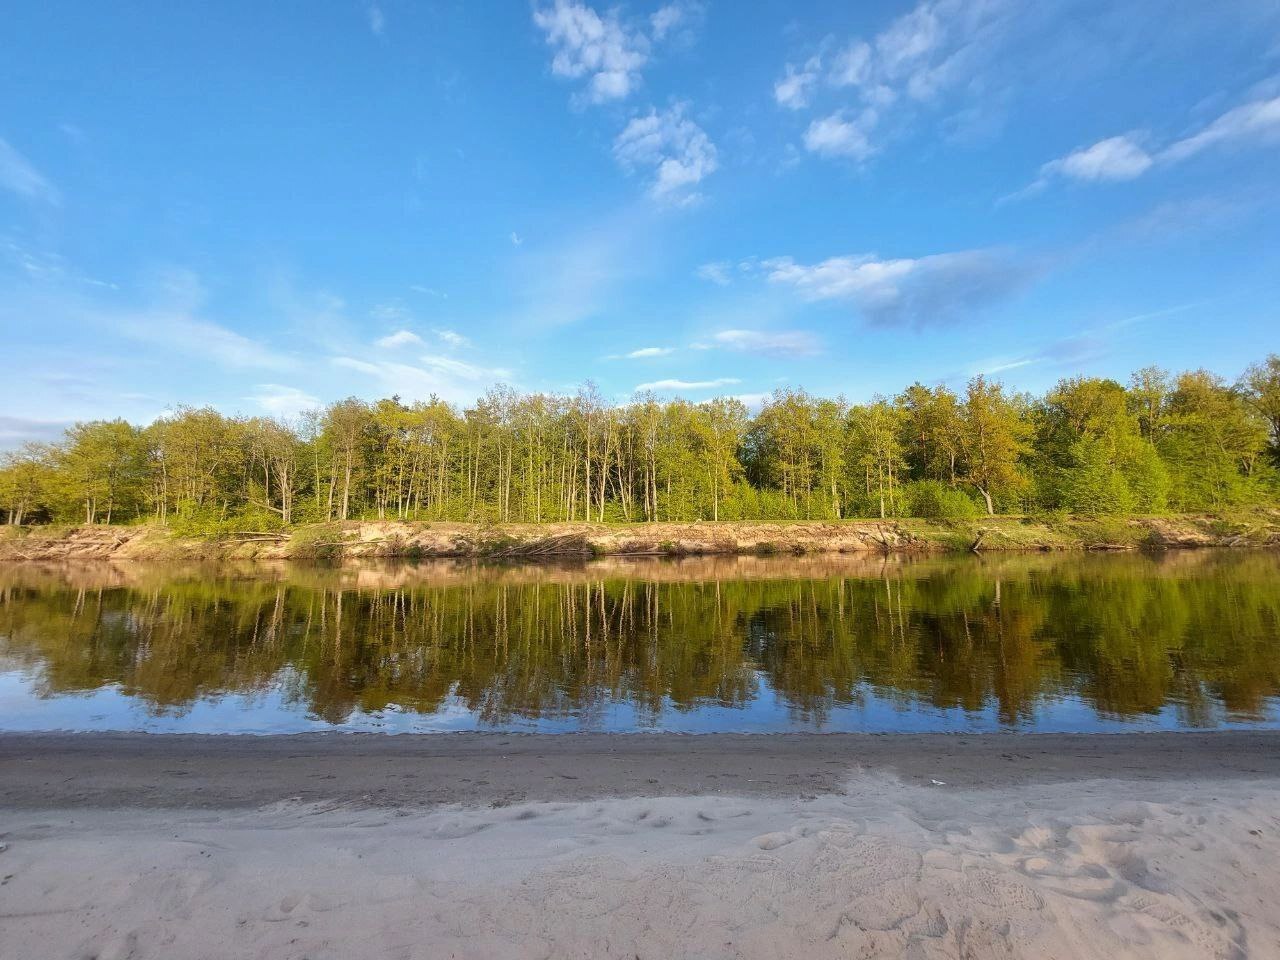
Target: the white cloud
pixel 790 343
pixel 1259 120
pixel 281 401
pixel 937 46
pixel 666 386
pixel 452 338
pixel 393 312
pixel 210 340
pixel 797 83
pixel 904 50
pixel 752 401
pixel 18 176
pixel 428 291
pixel 377 20
pixel 598 48
pixel 677 21
pixel 853 65
pixel 1117 158
pixel 15 431
pixel 646 352
pixel 918 291
pixel 840 136
pixel 1073 353
pixel 679 151
pixel 401 338
pixel 717 272
pixel 446 378
pixel 1120 158
pixel 516 239
pixel 463 370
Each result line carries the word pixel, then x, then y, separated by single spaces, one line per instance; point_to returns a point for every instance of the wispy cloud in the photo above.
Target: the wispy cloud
pixel 599 48
pixel 1116 158
pixel 15 431
pixel 937 46
pixel 668 386
pixel 1123 158
pixel 843 134
pixel 17 175
pixel 579 278
pixel 1075 352
pixel 794 88
pixel 678 151
pixel 717 272
pixel 377 20
pixel 1257 121
pixel 516 239
pixel 282 401
pixel 401 338
pixel 407 338
pixel 428 291
pixel 451 338
pixel 788 343
pixel 752 401
pixel 45 266
pixel 391 312
pixel 205 339
pixel 645 353
pixel 917 291
pixel 445 377
pixel 677 23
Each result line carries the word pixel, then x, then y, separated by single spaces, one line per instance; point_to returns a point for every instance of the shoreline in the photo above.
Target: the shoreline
pixel 137 770
pixel 785 847
pixel 415 540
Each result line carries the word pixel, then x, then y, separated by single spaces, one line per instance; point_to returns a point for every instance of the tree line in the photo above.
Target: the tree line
pixel 1161 442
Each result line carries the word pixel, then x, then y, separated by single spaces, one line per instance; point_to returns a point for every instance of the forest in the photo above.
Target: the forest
pixel 1158 443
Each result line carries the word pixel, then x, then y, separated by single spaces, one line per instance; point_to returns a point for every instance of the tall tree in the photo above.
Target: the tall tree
pixel 1260 387
pixel 992 436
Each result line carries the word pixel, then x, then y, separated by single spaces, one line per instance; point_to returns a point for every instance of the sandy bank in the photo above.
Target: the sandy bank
pixel 358 540
pixel 908 853
pixel 45 770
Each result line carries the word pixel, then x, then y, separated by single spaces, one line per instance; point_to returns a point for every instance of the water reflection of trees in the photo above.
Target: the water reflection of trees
pixel 1128 635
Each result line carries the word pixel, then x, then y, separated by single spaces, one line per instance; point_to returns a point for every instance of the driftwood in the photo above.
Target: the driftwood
pixel 977 541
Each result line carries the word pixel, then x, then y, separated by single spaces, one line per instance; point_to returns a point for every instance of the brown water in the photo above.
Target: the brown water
pixel 1071 642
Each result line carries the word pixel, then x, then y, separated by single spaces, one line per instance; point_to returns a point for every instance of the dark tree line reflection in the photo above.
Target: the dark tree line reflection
pixel 1126 635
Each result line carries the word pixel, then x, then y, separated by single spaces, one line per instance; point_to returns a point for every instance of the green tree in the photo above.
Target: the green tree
pixel 102 466
pixel 992 438
pixel 26 482
pixel 1260 387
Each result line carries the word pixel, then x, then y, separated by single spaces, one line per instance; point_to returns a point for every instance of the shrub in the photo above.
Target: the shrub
pixel 934 500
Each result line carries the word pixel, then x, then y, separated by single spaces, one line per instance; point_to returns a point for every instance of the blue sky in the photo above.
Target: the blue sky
pixel 266 206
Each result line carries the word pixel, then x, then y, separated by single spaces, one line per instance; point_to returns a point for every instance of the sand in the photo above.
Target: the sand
pixel 1163 846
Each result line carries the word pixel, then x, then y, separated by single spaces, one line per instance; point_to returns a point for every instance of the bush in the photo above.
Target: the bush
pixel 211 522
pixel 934 500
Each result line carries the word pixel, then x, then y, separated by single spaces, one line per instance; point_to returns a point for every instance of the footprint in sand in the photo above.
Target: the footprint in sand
pixel 121 948
pixel 772 841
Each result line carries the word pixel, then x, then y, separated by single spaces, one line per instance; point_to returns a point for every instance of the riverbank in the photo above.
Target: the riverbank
pixel 137 770
pixel 1151 845
pixel 366 539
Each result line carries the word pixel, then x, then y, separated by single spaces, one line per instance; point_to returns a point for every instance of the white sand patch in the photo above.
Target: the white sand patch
pixel 1091 869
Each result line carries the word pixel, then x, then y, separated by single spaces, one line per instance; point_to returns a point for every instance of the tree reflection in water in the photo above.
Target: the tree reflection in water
pixel 1127 636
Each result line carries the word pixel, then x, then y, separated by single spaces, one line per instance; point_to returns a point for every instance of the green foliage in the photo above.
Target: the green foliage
pixel 1094 484
pixel 212 521
pixel 1090 445
pixel 934 500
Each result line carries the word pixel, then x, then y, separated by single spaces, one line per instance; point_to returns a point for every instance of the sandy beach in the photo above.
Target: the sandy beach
pixel 1147 845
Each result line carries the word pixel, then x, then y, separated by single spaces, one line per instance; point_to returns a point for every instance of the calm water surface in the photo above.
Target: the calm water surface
pixel 757 644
